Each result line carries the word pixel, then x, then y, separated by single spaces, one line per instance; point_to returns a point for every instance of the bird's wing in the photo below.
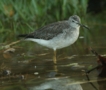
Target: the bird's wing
pixel 49 31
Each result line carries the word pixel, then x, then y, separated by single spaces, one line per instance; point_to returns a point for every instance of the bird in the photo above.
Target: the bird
pixel 56 35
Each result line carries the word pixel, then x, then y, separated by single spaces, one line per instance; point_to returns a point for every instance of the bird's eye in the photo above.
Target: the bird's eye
pixel 72 20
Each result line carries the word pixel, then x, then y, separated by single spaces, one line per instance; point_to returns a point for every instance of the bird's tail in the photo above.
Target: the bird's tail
pixel 26 36
pixel 22 35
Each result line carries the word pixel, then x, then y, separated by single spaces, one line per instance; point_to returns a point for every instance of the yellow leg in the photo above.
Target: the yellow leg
pixel 55 61
pixel 54 57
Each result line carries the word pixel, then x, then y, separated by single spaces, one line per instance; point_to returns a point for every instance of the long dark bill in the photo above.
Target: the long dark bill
pixel 84 26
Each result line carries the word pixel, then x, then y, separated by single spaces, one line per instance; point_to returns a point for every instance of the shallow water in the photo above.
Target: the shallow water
pixel 31 67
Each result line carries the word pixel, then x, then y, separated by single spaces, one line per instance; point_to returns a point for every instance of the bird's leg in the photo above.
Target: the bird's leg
pixel 55 61
pixel 54 57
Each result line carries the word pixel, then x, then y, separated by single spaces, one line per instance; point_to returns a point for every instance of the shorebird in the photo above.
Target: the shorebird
pixel 57 35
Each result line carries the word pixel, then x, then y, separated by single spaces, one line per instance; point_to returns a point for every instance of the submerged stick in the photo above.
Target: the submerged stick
pixel 8 45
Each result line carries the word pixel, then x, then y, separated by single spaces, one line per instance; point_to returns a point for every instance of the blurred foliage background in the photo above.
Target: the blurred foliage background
pixel 24 16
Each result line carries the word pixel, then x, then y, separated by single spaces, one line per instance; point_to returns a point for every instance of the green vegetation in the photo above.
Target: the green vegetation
pixel 25 16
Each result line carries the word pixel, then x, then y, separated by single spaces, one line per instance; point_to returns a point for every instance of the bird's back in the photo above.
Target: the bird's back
pixel 49 31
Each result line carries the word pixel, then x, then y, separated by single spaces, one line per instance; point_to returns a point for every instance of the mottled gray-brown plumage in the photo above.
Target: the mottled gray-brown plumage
pixel 51 30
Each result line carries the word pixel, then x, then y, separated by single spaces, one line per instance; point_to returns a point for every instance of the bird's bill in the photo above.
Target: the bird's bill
pixel 84 26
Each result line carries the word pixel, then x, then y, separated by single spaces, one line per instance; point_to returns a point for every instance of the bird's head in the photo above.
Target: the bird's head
pixel 76 22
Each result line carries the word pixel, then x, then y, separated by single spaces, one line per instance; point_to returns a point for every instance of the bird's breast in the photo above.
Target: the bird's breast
pixel 71 37
pixel 65 39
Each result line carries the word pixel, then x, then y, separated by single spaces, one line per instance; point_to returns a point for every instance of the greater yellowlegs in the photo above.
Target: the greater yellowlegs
pixel 57 35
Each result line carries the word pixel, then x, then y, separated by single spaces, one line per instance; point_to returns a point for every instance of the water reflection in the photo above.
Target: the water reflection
pixel 101 69
pixel 58 84
pixel 102 84
pixel 30 64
